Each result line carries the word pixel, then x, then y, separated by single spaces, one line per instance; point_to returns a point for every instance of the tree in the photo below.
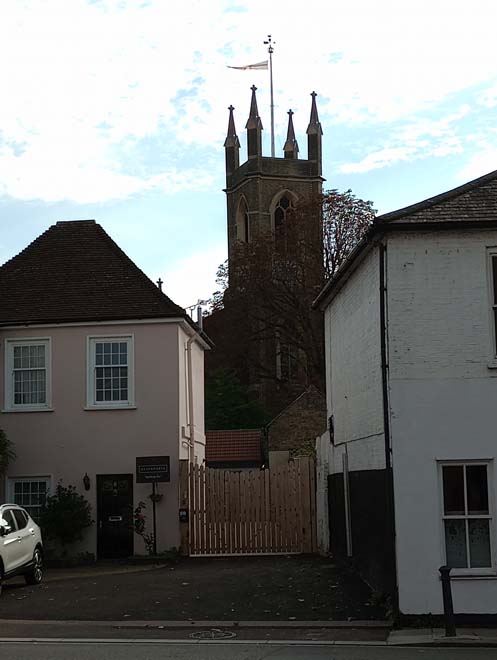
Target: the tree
pixel 228 404
pixel 7 453
pixel 266 310
pixel 216 302
pixel 345 220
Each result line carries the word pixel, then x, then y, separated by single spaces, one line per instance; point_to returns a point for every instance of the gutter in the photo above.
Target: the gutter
pixel 375 233
pixel 389 490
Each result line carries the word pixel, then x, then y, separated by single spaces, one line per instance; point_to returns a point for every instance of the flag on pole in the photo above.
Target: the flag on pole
pixel 260 66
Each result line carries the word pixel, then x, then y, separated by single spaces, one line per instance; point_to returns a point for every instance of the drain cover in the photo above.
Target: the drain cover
pixel 213 633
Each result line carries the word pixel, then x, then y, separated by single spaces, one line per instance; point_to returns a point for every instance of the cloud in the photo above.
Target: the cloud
pixel 84 81
pixel 193 278
pixel 482 162
pixel 418 138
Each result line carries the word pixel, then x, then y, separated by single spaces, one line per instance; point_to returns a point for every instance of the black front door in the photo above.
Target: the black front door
pixel 115 515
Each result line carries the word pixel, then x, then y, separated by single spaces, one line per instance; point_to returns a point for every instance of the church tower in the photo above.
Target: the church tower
pixel 261 190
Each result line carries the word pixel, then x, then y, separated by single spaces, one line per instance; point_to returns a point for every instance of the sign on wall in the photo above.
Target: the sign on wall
pixel 152 468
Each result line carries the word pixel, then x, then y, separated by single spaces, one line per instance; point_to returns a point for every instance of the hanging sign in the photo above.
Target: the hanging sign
pixel 152 468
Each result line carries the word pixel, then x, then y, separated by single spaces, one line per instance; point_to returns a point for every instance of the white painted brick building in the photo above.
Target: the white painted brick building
pixel 412 393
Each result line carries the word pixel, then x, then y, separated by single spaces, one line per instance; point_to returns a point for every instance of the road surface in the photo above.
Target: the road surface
pixel 225 651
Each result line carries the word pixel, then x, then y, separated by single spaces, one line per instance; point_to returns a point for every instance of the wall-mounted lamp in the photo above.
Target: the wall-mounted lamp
pixel 86 481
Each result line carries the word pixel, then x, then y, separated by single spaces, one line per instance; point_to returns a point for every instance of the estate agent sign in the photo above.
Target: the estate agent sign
pixel 150 469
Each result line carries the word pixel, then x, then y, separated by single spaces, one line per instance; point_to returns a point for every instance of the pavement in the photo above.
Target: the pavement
pixel 116 602
pixel 486 637
pixel 227 650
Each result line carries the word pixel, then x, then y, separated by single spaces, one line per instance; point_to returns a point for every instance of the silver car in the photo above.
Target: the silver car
pixel 21 547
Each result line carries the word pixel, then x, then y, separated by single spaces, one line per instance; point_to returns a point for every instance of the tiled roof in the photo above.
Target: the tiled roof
pixel 476 200
pixel 472 205
pixel 75 272
pixel 243 445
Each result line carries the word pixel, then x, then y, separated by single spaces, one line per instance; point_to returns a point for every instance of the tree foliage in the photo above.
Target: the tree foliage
pixel 216 302
pixel 345 219
pixel 228 404
pixel 265 295
pixel 7 453
pixel 65 515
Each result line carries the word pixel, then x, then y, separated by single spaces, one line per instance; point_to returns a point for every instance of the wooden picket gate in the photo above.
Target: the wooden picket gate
pixel 246 512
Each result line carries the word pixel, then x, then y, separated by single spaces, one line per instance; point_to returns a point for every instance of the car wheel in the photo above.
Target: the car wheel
pixel 1 577
pixel 35 573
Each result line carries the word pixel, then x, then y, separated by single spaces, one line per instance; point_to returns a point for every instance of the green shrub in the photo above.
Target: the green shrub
pixel 7 452
pixel 65 515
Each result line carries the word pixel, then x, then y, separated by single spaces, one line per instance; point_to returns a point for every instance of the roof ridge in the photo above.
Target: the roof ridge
pixel 436 199
pixel 82 221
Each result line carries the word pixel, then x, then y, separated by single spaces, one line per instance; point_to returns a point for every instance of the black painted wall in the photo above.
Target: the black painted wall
pixel 372 532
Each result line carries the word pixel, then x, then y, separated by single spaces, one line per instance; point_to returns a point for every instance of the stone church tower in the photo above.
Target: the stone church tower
pixel 260 191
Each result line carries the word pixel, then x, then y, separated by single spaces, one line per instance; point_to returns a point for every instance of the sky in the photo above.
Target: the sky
pixel 116 110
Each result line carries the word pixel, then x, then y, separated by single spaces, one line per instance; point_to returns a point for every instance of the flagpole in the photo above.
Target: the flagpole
pixel 270 51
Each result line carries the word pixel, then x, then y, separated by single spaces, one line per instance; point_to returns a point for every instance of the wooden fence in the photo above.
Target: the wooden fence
pixel 245 512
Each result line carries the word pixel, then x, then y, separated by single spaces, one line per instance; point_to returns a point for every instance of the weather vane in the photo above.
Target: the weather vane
pixel 270 43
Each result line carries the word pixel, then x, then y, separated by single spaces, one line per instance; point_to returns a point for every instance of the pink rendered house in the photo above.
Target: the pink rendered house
pixel 99 367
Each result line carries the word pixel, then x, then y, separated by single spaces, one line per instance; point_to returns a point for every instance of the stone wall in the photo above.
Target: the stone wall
pixel 298 425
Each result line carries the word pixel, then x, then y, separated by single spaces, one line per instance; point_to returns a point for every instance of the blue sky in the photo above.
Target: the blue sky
pixel 117 110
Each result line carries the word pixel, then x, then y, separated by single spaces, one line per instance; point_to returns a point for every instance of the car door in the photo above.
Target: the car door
pixel 11 548
pixel 24 535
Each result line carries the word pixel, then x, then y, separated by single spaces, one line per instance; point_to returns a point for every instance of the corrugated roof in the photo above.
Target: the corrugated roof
pixel 74 272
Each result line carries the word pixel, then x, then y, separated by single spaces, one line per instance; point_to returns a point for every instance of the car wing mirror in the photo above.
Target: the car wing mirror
pixel 5 529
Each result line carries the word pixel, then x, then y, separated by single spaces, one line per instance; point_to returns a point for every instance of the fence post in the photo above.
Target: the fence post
pixel 184 508
pixel 450 626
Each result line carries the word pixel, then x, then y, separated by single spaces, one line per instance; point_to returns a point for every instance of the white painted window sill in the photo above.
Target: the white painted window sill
pixel 473 576
pixel 24 410
pixel 91 408
pixel 492 364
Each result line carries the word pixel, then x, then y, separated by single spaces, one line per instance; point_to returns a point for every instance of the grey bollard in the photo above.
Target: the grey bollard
pixel 450 624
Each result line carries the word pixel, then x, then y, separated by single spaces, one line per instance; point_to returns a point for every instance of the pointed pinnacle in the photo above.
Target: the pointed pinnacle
pixel 254 121
pixel 291 143
pixel 290 135
pixel 231 137
pixel 314 124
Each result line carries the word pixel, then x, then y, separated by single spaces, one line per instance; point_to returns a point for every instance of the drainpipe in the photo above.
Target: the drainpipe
pixel 191 421
pixel 390 502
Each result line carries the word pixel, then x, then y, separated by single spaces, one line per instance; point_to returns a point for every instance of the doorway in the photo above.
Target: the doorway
pixel 114 516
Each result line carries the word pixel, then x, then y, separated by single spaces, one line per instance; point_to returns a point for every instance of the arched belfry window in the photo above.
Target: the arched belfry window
pixel 242 222
pixel 281 210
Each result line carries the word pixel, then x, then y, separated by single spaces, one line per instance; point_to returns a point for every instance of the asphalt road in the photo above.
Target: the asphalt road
pixel 297 587
pixel 225 651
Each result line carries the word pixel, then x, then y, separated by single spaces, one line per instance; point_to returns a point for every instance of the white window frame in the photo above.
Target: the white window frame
pixel 492 363
pixel 10 488
pixel 477 571
pixel 9 404
pixel 91 402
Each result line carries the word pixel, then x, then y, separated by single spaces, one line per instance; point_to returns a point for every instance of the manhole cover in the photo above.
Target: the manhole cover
pixel 213 633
